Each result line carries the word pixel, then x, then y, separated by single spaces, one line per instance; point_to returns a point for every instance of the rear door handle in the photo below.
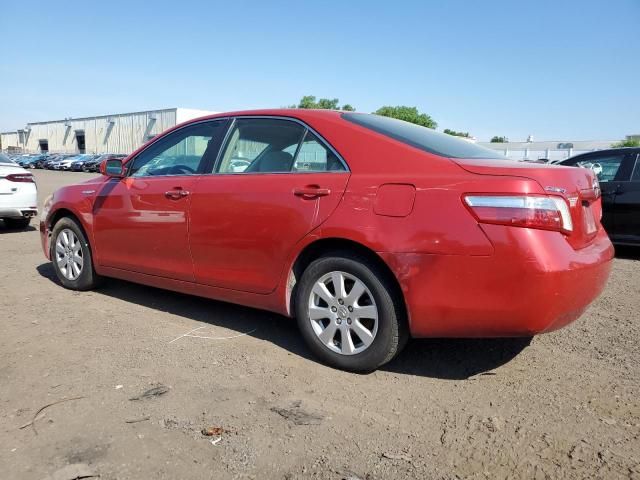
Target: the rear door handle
pixel 611 192
pixel 311 191
pixel 176 194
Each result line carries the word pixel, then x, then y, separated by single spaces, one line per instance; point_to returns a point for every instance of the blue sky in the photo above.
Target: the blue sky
pixel 562 69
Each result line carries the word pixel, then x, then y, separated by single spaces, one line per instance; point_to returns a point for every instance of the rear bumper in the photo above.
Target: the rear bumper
pixel 534 282
pixel 17 212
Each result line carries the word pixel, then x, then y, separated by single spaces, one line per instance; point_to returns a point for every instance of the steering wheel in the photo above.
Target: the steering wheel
pixel 181 169
pixel 597 169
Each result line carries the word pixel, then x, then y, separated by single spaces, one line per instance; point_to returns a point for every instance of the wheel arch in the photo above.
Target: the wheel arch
pixel 63 212
pixel 324 246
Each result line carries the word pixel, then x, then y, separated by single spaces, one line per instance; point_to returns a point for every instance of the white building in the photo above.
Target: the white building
pixel 552 150
pixel 116 133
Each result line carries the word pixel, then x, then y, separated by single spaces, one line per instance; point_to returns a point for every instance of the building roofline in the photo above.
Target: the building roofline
pixel 524 142
pixel 106 116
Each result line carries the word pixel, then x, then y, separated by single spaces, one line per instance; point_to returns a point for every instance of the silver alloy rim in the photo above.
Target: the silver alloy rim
pixel 343 313
pixel 69 254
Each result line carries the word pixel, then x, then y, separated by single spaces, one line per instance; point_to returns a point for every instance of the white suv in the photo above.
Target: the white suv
pixel 18 194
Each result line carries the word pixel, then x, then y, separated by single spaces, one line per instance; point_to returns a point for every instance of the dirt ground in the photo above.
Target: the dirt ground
pixel 562 405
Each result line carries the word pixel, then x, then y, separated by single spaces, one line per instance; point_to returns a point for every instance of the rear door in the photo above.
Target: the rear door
pixel 627 204
pixel 274 182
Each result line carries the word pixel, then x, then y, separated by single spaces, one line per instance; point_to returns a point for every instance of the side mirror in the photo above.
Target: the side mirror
pixel 112 168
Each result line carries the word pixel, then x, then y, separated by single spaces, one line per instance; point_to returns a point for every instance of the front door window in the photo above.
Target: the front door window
pixel 184 152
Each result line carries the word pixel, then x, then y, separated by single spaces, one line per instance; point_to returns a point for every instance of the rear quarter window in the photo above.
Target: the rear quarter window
pixel 423 138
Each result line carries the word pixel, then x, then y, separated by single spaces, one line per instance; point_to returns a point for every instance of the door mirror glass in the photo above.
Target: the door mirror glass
pixel 112 168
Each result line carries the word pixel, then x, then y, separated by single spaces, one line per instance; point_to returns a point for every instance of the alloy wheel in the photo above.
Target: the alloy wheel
pixel 343 313
pixel 68 252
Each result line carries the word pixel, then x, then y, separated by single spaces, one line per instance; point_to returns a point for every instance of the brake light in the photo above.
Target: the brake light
pixel 20 177
pixel 545 212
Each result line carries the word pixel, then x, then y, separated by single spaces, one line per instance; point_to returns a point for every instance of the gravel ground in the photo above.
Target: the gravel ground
pixel 560 405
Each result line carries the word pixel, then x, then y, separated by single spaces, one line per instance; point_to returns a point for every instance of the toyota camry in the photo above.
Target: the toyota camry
pixel 368 230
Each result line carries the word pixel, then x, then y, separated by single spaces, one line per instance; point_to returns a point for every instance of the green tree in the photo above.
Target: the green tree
pixel 456 134
pixel 408 114
pixel 309 101
pixel 498 139
pixel 629 142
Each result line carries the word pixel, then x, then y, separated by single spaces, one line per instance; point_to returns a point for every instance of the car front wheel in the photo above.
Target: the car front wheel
pixel 71 256
pixel 349 313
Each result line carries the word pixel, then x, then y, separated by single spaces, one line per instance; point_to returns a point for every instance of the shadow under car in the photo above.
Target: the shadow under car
pixel 450 359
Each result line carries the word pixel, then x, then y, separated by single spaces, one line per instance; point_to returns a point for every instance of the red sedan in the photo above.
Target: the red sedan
pixel 367 229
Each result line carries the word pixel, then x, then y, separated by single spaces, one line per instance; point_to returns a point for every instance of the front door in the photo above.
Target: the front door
pixel 141 222
pixel 273 183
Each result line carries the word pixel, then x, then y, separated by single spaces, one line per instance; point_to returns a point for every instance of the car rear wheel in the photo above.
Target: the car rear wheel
pixel 71 256
pixel 349 314
pixel 17 223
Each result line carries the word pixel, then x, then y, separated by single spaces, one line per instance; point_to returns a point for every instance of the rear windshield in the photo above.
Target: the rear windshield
pixel 421 137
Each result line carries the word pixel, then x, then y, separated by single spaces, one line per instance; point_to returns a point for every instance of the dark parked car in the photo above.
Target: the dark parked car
pixel 78 165
pixel 41 160
pixel 94 164
pixel 25 161
pixel 618 172
pixel 53 159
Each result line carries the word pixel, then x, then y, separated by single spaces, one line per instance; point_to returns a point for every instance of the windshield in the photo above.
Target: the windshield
pixel 6 160
pixel 422 137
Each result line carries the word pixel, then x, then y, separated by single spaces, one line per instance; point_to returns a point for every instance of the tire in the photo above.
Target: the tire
pixel 17 223
pixel 387 333
pixel 74 250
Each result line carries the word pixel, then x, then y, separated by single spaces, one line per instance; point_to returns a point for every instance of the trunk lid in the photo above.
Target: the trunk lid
pixel 7 187
pixel 579 186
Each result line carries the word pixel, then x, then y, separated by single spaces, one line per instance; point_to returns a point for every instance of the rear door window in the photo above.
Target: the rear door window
pixel 271 145
pixel 259 145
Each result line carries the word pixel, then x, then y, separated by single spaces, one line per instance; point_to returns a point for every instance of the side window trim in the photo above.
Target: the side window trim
pixel 626 169
pixel 322 140
pixel 206 166
pixel 223 147
pixel 635 171
pixel 298 148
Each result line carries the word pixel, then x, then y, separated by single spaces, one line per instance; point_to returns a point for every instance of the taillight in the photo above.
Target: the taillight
pixel 20 177
pixel 532 211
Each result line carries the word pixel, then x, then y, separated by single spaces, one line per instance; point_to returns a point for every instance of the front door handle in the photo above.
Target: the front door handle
pixel 176 194
pixel 311 192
